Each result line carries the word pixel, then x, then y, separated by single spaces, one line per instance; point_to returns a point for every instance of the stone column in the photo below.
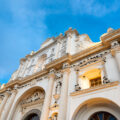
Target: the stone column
pixel 3 102
pixel 117 57
pixel 111 68
pixel 64 93
pixel 8 105
pixel 116 52
pixel 48 96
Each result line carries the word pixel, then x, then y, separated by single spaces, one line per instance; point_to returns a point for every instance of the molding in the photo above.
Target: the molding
pixel 57 64
pixel 103 86
pixel 32 103
pixel 110 36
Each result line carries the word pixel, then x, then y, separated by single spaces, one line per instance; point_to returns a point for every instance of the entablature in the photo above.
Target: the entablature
pixel 103 46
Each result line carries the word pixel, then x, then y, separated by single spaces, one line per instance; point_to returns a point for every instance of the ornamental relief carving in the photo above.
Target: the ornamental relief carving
pixel 92 59
pixel 34 98
pixel 58 87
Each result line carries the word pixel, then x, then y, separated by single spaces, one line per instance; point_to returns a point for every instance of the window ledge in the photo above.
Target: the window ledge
pixel 92 89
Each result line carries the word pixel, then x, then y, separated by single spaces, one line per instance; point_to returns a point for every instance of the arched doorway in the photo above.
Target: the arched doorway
pixel 32 116
pixel 30 100
pixel 102 116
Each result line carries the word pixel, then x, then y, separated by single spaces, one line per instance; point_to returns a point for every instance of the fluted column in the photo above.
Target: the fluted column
pixel 8 105
pixel 64 94
pixel 3 102
pixel 48 97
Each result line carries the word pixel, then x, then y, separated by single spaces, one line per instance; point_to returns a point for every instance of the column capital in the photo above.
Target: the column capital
pixel 14 91
pixel 7 94
pixel 16 87
pixel 77 68
pixel 1 97
pixel 115 44
pixel 103 60
pixel 66 70
pixel 66 65
pixel 114 50
pixel 52 73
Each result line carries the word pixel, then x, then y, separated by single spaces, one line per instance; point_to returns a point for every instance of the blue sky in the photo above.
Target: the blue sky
pixel 25 24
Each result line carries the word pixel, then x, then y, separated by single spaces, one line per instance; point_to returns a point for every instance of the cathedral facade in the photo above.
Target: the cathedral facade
pixel 68 78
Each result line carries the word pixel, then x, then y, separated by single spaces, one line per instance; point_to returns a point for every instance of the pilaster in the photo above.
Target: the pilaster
pixel 115 51
pixel 3 103
pixel 48 96
pixel 8 105
pixel 64 91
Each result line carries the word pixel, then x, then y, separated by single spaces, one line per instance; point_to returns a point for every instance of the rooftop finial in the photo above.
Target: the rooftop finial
pixel 110 30
pixel 61 34
pixel 70 28
pixel 32 52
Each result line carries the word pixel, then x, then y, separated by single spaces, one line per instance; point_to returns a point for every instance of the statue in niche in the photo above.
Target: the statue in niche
pixel 58 88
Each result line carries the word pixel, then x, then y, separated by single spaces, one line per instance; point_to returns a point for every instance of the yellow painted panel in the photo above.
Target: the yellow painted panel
pixel 92 74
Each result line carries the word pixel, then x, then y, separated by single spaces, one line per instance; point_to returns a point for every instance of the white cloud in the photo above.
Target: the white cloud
pixel 94 7
pixel 25 30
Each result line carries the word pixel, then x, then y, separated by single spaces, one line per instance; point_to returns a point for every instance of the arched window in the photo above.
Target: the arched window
pixel 33 114
pixel 91 78
pixel 102 116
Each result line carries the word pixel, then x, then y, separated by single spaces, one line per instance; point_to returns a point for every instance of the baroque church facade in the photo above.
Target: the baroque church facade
pixel 68 78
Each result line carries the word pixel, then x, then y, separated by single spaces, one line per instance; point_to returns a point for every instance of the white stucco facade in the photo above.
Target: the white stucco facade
pixel 68 78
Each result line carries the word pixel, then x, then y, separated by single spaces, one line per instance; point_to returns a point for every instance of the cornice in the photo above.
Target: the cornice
pixel 94 49
pixel 110 36
pixel 58 63
pixel 25 80
pixel 103 86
